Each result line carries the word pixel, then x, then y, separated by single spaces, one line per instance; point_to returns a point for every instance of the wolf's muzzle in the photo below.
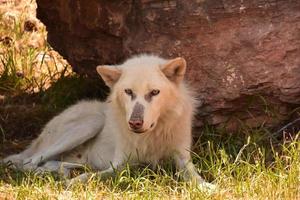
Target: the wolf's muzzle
pixel 136 120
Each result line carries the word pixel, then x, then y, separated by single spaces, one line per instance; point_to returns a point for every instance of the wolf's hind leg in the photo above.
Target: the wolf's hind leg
pixel 17 160
pixel 72 135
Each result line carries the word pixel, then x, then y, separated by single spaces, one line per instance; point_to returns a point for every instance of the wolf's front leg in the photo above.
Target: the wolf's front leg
pixel 189 173
pixel 62 168
pixel 85 177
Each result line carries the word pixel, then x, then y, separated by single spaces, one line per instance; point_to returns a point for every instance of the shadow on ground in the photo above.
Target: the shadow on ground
pixel 23 115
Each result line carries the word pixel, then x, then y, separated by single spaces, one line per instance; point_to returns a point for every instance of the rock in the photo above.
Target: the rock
pixel 6 40
pixel 30 26
pixel 243 56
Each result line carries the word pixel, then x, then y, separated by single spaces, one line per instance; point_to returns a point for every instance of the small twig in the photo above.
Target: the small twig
pixel 241 151
pixel 286 126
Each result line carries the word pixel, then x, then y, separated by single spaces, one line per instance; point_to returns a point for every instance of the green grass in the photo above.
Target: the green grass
pixel 36 83
pixel 248 171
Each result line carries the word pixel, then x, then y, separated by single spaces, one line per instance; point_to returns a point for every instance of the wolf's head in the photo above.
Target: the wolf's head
pixel 144 88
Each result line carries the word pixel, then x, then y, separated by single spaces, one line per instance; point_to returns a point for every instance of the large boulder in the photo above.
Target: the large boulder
pixel 243 56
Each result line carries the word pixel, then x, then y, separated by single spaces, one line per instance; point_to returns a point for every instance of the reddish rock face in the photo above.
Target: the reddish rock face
pixel 243 56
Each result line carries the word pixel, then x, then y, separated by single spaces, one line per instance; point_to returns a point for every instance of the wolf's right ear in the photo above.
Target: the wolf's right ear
pixel 109 74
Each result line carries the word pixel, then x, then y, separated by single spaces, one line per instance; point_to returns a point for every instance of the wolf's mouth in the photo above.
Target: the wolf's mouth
pixel 139 131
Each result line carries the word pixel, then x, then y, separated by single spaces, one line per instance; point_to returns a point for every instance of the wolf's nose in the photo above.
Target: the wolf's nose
pixel 136 124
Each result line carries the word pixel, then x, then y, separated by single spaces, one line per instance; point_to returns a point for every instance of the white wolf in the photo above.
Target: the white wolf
pixel 146 118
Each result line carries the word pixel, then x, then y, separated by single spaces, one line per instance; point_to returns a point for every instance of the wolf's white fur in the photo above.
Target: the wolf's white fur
pixel 97 133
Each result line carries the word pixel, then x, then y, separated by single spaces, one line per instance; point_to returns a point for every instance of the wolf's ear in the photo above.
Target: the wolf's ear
pixel 109 74
pixel 174 70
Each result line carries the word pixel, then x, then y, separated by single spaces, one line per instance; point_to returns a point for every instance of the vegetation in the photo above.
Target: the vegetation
pixel 36 83
pixel 255 170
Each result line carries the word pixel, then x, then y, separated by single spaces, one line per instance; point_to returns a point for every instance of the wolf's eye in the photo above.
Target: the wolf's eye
pixel 154 92
pixel 129 92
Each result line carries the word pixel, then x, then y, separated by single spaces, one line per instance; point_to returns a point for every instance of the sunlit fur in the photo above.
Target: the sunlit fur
pixel 97 134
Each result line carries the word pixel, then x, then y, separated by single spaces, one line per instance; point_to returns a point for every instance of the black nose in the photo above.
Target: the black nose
pixel 136 124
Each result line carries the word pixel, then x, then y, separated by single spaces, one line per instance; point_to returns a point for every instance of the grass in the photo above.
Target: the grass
pixel 248 171
pixel 36 83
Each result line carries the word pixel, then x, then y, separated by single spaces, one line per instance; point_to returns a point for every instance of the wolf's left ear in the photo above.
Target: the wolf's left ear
pixel 109 74
pixel 174 70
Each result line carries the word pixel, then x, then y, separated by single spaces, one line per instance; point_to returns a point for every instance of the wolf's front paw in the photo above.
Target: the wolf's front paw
pixel 208 188
pixel 82 178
